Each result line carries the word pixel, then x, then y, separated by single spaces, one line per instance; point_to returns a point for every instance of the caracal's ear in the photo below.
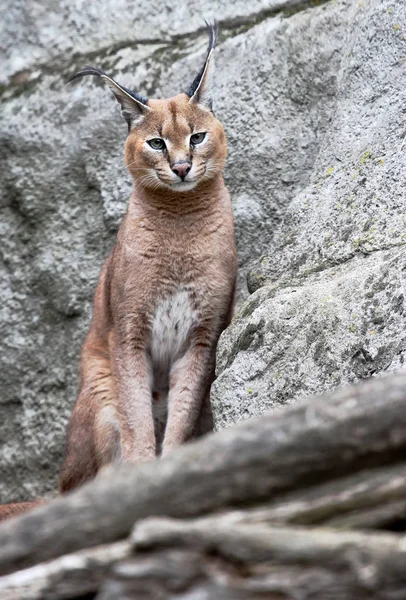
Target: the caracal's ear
pixel 200 91
pixel 133 106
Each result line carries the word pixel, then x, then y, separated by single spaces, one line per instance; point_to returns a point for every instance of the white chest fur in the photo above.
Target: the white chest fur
pixel 173 320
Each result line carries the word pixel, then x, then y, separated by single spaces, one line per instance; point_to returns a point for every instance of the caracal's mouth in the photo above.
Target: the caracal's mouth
pixel 184 186
pixel 180 186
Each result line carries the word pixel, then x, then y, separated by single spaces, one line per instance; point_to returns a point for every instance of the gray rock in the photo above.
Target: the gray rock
pixel 312 334
pixel 328 303
pixel 64 188
pixel 44 35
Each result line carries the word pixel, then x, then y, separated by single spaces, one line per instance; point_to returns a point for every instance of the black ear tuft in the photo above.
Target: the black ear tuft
pixel 87 71
pixel 133 106
pixel 212 30
pixel 100 73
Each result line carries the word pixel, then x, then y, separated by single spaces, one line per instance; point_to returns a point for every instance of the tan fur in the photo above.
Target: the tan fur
pixel 170 242
pixel 7 511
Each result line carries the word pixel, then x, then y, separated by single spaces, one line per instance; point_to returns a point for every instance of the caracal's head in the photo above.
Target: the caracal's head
pixel 176 143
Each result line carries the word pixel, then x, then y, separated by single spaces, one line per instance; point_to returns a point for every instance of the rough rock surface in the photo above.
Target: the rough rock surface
pixel 328 302
pixel 64 189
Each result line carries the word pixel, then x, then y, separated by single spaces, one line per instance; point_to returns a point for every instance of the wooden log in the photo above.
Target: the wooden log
pixel 174 574
pixel 69 576
pixel 320 440
pixel 213 558
pixel 390 516
pixel 286 562
pixel 370 498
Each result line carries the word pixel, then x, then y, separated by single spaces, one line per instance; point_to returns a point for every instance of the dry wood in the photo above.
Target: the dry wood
pixel 288 562
pixel 370 498
pixel 213 557
pixel 323 439
pixel 69 576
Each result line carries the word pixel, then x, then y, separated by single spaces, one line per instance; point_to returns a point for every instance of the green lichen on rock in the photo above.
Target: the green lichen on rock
pixel 365 157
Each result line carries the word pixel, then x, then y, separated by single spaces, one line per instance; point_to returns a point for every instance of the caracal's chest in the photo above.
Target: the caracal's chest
pixel 173 320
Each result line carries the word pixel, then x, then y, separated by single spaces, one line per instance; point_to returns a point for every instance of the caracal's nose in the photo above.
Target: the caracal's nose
pixel 181 168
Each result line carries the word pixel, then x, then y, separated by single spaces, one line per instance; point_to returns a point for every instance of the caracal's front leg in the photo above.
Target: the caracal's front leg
pixel 190 380
pixel 134 405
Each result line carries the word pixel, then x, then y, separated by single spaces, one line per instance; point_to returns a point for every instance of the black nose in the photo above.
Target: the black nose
pixel 181 168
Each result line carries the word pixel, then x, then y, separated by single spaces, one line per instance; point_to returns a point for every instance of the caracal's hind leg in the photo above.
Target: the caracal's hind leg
pixel 80 461
pixel 93 435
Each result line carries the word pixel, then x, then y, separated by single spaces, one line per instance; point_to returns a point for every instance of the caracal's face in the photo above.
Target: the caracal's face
pixel 176 145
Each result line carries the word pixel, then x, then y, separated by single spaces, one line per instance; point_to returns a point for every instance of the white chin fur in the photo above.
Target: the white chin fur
pixel 182 186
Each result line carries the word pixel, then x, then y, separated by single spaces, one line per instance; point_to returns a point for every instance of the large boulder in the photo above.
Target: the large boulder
pixel 64 188
pixel 328 295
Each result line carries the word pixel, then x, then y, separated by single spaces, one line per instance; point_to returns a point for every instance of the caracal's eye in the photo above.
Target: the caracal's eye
pixel 157 143
pixel 197 138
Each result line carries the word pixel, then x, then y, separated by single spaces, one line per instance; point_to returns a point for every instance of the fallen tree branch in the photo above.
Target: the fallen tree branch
pixel 69 576
pixel 213 557
pixel 288 562
pixel 325 438
pixel 370 498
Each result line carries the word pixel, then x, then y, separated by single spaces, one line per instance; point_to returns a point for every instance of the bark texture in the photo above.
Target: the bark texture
pixel 308 502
